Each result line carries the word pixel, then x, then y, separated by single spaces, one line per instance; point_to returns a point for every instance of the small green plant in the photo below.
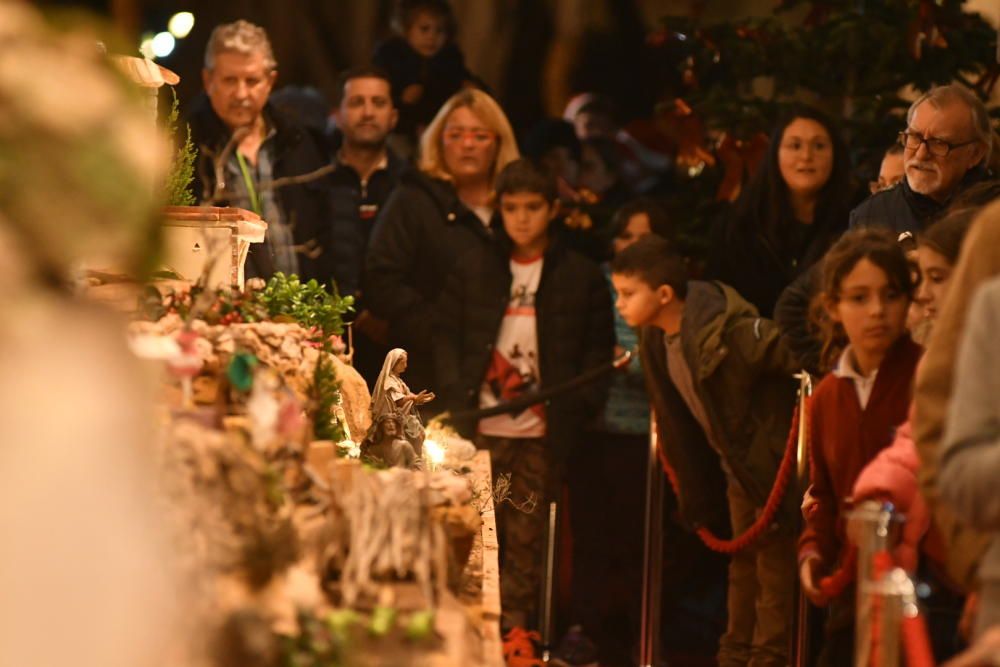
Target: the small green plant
pixel 318 644
pixel 283 299
pixel 326 395
pixel 178 184
pixel 309 304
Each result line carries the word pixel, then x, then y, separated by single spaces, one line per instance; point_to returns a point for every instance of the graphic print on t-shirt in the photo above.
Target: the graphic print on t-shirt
pixel 513 369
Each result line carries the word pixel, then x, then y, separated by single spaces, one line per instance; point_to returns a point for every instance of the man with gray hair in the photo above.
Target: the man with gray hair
pixel 245 143
pixel 946 146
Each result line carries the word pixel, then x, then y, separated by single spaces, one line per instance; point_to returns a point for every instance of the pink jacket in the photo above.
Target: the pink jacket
pixel 892 476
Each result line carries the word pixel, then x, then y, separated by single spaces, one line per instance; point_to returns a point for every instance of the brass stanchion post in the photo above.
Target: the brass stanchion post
pixel 649 636
pixel 800 624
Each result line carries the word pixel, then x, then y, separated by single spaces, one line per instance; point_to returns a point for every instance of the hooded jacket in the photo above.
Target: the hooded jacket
pixel 575 332
pixel 306 206
pixel 742 372
pixel 419 236
pixel 758 267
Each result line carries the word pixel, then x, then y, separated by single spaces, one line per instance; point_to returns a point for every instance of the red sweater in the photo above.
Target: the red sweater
pixel 844 438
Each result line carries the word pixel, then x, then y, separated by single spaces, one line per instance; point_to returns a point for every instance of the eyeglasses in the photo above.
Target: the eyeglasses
pixel 456 134
pixel 937 147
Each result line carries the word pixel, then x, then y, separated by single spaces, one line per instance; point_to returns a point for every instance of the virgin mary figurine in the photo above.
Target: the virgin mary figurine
pixel 391 396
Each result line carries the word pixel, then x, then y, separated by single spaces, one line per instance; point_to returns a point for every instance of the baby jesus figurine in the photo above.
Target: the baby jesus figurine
pixel 392 397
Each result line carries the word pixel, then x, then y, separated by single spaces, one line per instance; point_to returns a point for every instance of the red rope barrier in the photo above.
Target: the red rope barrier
pixel 766 517
pixel 835 584
pixel 914 629
pixel 881 565
pixel 916 643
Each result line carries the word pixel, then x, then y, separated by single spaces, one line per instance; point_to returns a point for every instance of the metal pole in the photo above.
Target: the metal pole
pixel 649 637
pixel 800 624
pixel 550 567
pixel 872 527
pixel 893 598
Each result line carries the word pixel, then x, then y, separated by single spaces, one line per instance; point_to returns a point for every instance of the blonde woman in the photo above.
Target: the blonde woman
pixel 434 216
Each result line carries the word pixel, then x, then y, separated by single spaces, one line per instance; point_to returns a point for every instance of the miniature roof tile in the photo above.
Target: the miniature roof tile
pixel 209 214
pixel 145 72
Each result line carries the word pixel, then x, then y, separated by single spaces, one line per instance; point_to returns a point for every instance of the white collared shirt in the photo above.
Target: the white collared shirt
pixel 846 368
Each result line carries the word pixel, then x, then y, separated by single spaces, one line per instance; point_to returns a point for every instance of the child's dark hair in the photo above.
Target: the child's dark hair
pixel 653 260
pixel 878 246
pixel 359 72
pixel 946 235
pixel 405 11
pixel 659 222
pixel 525 175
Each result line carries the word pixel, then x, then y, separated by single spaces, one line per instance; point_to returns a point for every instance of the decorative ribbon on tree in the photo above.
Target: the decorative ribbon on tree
pixel 685 129
pixel 925 29
pixel 740 159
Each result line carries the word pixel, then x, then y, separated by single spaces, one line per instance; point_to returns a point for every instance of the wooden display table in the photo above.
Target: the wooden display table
pixel 492 641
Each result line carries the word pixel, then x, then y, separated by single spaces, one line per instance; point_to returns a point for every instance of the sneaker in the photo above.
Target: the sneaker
pixel 575 650
pixel 519 648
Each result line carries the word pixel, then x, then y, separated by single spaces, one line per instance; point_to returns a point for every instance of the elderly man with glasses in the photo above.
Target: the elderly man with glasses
pixel 946 145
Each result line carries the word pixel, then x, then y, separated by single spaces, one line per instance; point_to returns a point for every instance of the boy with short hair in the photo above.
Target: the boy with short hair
pixel 515 317
pixel 720 380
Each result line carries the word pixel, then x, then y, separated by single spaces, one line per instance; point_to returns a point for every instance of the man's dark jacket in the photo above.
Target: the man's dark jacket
pixel 575 331
pixel 351 228
pixel 305 206
pixel 742 373
pixel 419 236
pixel 757 267
pixel 901 209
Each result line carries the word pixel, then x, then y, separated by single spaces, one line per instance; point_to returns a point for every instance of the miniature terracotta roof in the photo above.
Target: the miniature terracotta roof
pixel 208 213
pixel 145 72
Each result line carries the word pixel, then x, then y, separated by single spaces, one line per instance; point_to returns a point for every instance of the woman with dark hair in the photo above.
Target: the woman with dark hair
pixel 794 208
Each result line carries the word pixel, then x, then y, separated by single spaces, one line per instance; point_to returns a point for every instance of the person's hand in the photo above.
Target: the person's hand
pixel 984 653
pixel 423 397
pixel 809 503
pixel 809 577
pixel 375 328
pixel 412 93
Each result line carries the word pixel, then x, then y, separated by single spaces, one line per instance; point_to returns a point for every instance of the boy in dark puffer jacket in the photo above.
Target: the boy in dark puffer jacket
pixel 516 316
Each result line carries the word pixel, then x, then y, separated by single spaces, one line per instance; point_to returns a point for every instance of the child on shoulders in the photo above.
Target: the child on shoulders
pixel 424 64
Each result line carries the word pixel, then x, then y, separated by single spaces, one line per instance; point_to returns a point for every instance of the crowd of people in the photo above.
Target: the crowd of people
pixel 506 269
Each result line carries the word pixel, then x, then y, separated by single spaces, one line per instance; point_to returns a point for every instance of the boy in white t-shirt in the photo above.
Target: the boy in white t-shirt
pixel 518 316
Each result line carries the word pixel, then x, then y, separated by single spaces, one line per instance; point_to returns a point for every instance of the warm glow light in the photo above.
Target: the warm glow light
pixel 146 46
pixel 433 452
pixel 349 449
pixel 163 44
pixel 180 24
